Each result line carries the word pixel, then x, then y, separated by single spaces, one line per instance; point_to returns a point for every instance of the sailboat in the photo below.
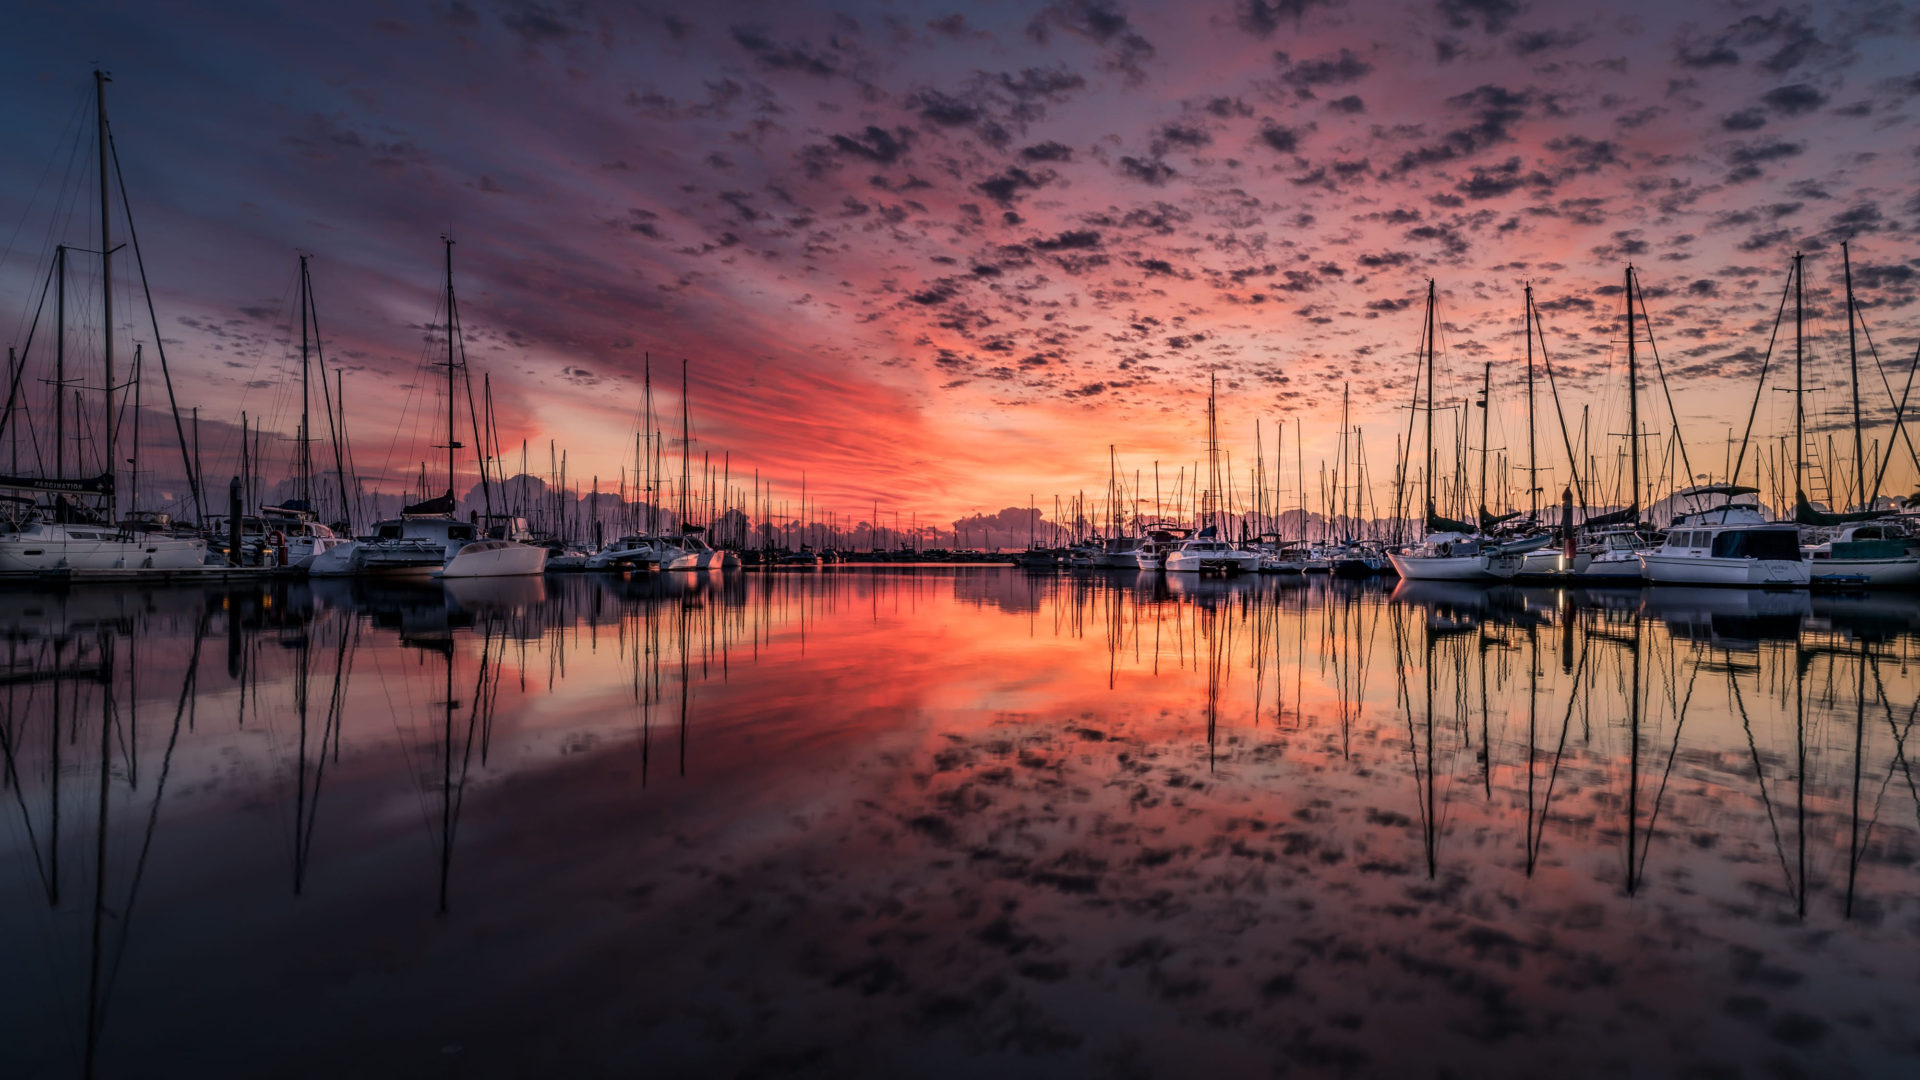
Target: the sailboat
pixel 292 528
pixel 637 550
pixel 426 540
pixel 1206 551
pixel 1734 543
pixel 65 533
pixel 1614 542
pixel 1857 548
pixel 690 550
pixel 1452 550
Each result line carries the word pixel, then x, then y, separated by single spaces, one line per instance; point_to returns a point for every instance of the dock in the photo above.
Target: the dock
pixel 199 575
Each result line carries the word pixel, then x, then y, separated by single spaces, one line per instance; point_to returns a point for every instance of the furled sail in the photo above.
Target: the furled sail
pixel 1436 523
pixel 432 507
pixel 1805 514
pixel 79 485
pixel 1488 521
pixel 1618 517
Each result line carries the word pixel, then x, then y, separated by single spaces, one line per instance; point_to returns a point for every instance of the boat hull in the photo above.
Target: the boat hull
pixel 1881 573
pixel 56 548
pixel 1710 570
pixel 694 560
pixel 495 558
pixel 1235 562
pixel 1456 567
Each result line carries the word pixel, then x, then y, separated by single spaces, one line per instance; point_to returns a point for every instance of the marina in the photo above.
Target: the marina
pixel 865 538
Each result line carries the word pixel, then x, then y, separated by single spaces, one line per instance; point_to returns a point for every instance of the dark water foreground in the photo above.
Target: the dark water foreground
pixel 957 822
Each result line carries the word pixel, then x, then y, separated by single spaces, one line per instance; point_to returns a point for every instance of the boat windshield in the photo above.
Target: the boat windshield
pixel 1758 544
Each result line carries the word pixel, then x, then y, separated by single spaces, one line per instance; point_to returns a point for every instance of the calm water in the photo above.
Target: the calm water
pixel 941 822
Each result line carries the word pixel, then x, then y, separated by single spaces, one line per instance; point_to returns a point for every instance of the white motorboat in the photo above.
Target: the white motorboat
pixel 1872 554
pixel 627 553
pixel 295 532
pixel 1319 560
pixel 1151 555
pixel 1728 545
pixel 692 552
pixel 1120 553
pixel 1284 558
pixel 1206 553
pixel 1610 554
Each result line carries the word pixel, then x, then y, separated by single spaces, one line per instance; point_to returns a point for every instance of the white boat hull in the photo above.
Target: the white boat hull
pixel 495 558
pixel 1884 573
pixel 1222 562
pixel 1456 567
pixel 337 561
pixel 1711 570
pixel 1627 569
pixel 303 550
pixel 56 547
pixel 694 560
pixel 623 559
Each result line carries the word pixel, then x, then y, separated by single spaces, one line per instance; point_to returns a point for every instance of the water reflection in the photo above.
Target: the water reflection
pixel 979 805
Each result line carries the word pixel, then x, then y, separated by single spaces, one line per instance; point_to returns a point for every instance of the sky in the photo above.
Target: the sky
pixel 942 257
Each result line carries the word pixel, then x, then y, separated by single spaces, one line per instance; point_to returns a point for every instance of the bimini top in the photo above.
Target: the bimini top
pixel 1729 490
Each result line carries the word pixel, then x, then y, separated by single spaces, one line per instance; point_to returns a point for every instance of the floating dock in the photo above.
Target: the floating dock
pixel 199 575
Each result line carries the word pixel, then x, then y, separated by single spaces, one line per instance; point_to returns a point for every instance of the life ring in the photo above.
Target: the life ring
pixel 279 540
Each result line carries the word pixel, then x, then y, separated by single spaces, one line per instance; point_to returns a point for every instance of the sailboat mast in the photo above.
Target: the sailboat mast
pixel 1340 471
pixel 106 276
pixel 686 463
pixel 653 505
pixel 306 446
pixel 1633 400
pixel 1533 465
pixel 60 362
pixel 1853 379
pixel 1213 450
pixel 1429 423
pixel 1799 392
pixel 1486 414
pixel 452 443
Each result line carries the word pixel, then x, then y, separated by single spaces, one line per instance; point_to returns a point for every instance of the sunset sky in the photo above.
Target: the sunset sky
pixel 943 255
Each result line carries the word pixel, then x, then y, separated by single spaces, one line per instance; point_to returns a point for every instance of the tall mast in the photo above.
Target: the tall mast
pixel 1533 465
pixel 1429 425
pixel 306 445
pixel 452 443
pixel 1633 400
pixel 1486 413
pixel 653 507
pixel 106 275
pixel 1340 468
pixel 1853 369
pixel 60 362
pixel 1799 410
pixel 1213 458
pixel 686 463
